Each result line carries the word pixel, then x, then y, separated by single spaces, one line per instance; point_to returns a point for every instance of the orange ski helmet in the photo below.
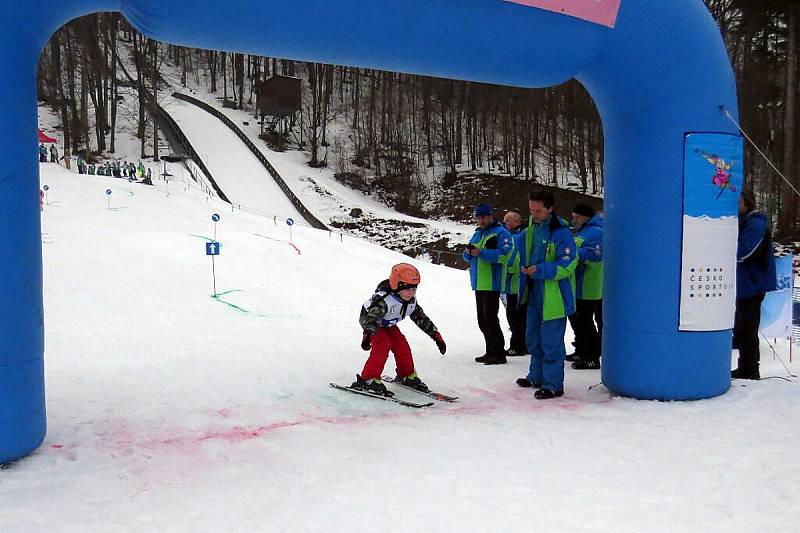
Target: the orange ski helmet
pixel 403 276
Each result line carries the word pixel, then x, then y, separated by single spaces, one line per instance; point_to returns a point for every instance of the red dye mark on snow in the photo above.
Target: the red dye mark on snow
pixel 523 400
pixel 240 434
pixel 57 446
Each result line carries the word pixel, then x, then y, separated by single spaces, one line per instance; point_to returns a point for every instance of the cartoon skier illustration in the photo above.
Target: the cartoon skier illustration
pixel 722 177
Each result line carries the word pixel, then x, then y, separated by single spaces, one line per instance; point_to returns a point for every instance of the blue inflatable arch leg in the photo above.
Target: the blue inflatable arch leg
pixel 660 73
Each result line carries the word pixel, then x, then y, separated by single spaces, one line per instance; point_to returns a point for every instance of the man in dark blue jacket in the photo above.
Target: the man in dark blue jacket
pixel 486 253
pixel 755 276
pixel 589 288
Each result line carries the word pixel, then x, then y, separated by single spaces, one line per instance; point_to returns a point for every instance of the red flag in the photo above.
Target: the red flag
pixel 43 138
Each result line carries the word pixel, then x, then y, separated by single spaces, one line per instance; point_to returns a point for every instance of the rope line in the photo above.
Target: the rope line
pixel 730 117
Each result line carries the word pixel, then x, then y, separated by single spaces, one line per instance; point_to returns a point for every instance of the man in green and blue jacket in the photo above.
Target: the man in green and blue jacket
pixel 517 315
pixel 484 253
pixel 589 284
pixel 548 260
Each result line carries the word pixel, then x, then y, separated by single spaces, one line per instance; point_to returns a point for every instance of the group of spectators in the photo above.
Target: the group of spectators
pixel 551 271
pixel 117 169
pixel 544 273
pixel 43 151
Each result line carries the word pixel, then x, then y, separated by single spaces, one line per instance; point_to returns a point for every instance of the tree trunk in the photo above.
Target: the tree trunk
pixel 790 122
pixel 154 102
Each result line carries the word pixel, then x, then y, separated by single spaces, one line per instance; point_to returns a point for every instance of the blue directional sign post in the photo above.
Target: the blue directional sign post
pixel 290 223
pixel 212 249
pixel 45 189
pixel 108 194
pixel 215 218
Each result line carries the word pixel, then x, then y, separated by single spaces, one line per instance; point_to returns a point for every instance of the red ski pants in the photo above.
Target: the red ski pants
pixel 386 339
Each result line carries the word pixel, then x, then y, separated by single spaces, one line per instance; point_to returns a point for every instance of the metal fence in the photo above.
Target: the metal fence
pixel 167 123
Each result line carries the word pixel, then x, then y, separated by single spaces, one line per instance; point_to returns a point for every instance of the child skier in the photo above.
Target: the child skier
pixel 394 300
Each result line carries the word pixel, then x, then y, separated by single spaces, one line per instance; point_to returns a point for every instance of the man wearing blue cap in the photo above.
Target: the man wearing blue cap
pixel 484 253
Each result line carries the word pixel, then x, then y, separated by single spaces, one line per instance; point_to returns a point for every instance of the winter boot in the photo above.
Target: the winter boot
pixel 481 358
pixel 545 394
pixel 495 360
pixel 525 384
pixel 511 352
pixel 374 386
pixel 588 364
pixel 413 381
pixel 745 373
pixel 573 357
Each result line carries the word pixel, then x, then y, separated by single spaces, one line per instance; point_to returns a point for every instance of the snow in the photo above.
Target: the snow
pixel 172 410
pixel 169 410
pixel 317 188
pixel 234 167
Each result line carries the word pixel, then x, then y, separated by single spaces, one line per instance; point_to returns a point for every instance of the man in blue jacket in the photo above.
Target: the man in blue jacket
pixel 484 253
pixel 589 288
pixel 755 276
pixel 547 282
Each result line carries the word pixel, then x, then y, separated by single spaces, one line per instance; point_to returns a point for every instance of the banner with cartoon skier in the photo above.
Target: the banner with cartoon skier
pixel 712 175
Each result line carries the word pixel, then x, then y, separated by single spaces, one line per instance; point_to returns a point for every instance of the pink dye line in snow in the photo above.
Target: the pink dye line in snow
pixel 119 435
pixel 603 12
pixel 296 249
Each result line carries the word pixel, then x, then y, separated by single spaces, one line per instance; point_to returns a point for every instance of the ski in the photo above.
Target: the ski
pixel 430 394
pixel 381 397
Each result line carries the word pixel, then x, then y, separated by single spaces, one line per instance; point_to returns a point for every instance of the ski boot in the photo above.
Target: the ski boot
pixel 413 381
pixel 374 386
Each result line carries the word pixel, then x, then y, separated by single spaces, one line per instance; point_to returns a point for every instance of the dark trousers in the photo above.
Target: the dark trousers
pixel 745 332
pixel 488 306
pixel 588 337
pixel 517 318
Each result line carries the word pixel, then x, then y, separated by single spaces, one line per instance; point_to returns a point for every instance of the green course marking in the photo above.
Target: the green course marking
pixel 218 297
pixel 244 311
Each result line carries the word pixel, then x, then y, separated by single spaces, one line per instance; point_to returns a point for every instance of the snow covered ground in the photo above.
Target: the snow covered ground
pixel 317 188
pixel 170 410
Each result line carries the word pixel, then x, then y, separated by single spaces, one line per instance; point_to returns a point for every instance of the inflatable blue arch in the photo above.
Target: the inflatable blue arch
pixel 657 70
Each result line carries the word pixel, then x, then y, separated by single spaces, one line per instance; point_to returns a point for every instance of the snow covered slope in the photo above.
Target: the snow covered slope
pixel 170 410
pixel 236 170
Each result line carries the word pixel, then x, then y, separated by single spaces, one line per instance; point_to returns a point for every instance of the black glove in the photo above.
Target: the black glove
pixel 437 338
pixel 366 341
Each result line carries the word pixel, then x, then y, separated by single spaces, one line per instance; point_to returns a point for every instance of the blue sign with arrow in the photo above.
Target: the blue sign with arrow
pixel 212 248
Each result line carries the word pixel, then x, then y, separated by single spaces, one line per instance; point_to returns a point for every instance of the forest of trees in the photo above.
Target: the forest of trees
pixel 404 134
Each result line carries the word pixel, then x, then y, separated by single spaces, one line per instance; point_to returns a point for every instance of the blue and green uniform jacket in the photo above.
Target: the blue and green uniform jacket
pixel 589 273
pixel 511 263
pixel 551 247
pixel 486 270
